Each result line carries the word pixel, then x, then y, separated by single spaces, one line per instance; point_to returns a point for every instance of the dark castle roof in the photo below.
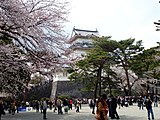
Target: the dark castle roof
pixel 79 33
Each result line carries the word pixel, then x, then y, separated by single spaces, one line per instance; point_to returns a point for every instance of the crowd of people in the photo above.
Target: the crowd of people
pixel 103 106
pixel 59 105
pixel 107 106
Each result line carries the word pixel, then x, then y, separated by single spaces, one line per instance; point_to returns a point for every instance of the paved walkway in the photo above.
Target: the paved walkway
pixel 126 113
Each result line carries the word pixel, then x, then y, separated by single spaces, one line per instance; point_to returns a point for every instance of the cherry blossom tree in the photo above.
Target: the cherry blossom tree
pixel 14 69
pixel 34 27
pixel 33 24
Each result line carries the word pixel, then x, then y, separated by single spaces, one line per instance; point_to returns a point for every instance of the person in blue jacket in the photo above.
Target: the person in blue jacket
pixel 148 104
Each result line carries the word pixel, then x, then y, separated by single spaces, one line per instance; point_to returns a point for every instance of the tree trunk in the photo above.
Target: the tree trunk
pixel 99 79
pixel 109 83
pixel 98 83
pixel 25 93
pixel 95 90
pixel 128 82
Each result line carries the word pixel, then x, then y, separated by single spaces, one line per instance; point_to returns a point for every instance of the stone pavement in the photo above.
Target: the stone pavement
pixel 133 113
pixel 125 113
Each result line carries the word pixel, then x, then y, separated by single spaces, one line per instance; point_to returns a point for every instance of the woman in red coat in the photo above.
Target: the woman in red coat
pixel 102 108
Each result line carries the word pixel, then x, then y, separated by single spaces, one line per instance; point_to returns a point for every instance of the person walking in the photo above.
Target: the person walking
pixel 140 103
pixel 55 105
pixel 156 100
pixel 59 104
pixel 13 107
pixel 41 106
pixel 109 107
pixel 92 105
pixel 50 104
pixel 113 106
pixel 102 108
pixel 66 104
pixel 70 104
pixel 1 109
pixel 77 105
pixel 44 109
pixel 80 103
pixel 37 105
pixel 17 106
pixel 119 102
pixel 148 104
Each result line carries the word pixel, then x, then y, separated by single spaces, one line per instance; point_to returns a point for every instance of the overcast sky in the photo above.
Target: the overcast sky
pixel 121 19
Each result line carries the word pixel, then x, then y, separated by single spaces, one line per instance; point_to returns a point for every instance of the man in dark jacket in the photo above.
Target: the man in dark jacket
pixel 66 104
pixel 92 105
pixel 113 106
pixel 148 104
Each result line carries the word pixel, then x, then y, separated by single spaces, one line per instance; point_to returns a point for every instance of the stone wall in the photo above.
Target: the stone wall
pixel 40 91
pixel 69 88
pixel 59 88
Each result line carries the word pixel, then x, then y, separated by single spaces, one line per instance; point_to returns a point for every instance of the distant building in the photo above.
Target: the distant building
pixel 79 43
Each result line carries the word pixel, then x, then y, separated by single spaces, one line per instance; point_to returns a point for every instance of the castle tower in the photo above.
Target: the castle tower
pixel 79 43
